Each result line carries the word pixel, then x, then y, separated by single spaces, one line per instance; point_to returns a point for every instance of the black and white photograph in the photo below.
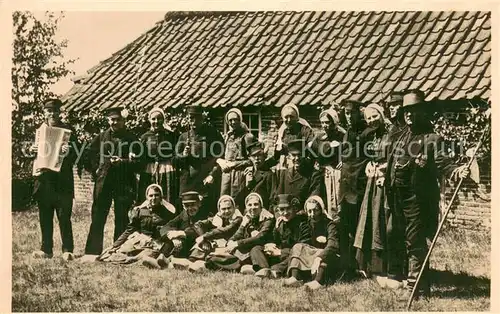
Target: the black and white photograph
pixel 251 161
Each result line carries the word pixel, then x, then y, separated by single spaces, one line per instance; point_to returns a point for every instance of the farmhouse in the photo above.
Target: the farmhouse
pixel 259 61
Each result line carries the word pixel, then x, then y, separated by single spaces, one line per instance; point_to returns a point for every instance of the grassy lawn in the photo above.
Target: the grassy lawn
pixel 461 264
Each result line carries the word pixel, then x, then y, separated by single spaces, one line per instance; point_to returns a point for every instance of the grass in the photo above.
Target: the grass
pixel 460 262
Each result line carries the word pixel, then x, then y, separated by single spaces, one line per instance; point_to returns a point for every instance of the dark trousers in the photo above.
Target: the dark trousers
pixel 415 233
pixel 349 215
pixel 260 260
pixel 396 247
pixel 123 200
pixel 62 205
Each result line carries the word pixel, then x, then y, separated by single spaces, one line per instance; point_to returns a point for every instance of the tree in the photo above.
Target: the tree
pixel 38 63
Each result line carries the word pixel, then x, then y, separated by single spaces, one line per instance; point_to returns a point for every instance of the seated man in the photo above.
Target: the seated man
pixel 255 230
pixel 290 229
pixel 216 231
pixel 321 258
pixel 180 233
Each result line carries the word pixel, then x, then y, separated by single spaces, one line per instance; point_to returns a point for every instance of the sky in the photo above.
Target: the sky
pixel 95 36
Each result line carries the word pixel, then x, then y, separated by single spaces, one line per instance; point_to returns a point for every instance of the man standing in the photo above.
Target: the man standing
pixel 196 152
pixel 114 175
pixel 54 191
pixel 415 162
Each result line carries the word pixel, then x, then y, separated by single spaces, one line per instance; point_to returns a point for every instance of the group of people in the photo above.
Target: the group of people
pixel 359 199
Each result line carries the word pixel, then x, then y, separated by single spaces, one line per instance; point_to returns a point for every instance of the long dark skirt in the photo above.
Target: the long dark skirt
pixel 371 232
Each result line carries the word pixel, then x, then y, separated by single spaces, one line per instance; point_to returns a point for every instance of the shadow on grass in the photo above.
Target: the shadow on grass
pixel 447 284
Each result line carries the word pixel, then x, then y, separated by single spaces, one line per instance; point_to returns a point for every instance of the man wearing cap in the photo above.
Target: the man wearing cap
pixel 258 179
pixel 301 180
pixel 396 115
pixel 181 232
pixel 415 162
pixel 54 191
pixel 196 153
pixel 113 172
pixel 291 228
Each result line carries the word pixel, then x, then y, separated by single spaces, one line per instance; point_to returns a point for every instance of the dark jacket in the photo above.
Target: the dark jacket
pixel 264 226
pixel 302 183
pixel 146 221
pixel 262 184
pixel 60 183
pixel 206 146
pixel 289 233
pixel 212 231
pixel 158 146
pixel 122 174
pixel 327 228
pixel 417 178
pixel 186 223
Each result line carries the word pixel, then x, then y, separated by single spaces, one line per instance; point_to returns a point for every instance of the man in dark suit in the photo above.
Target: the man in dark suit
pixel 415 162
pixel 196 157
pixel 113 171
pixel 54 191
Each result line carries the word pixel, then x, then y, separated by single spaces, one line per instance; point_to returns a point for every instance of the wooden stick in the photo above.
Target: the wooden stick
pixel 443 220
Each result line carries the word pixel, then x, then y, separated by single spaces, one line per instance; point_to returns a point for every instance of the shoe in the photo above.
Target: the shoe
pixel 150 262
pixel 197 267
pixel 263 273
pixel 41 254
pixel 313 285
pixel 180 263
pixel 292 282
pixel 88 258
pixel 381 280
pixel 273 274
pixel 247 270
pixel 68 256
pixel 163 262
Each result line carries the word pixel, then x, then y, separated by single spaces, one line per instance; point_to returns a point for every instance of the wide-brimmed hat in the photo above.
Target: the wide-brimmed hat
pixel 414 99
pixel 255 148
pixel 351 103
pixel 114 111
pixel 395 98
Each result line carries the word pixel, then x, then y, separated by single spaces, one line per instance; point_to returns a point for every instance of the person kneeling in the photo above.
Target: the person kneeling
pixel 216 231
pixel 320 259
pixel 290 229
pixel 141 239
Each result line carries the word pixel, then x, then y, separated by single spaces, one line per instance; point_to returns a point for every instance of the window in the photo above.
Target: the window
pixel 253 121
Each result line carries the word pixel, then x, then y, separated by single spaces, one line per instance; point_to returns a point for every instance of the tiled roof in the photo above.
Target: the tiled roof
pixel 274 58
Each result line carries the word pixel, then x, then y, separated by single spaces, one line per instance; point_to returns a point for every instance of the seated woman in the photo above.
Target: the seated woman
pixel 321 257
pixel 216 231
pixel 254 231
pixel 180 233
pixel 291 228
pixel 141 239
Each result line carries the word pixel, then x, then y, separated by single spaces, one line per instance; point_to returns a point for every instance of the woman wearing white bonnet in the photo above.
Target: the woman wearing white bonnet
pixel 158 145
pixel 327 147
pixel 293 127
pixel 235 160
pixel 371 234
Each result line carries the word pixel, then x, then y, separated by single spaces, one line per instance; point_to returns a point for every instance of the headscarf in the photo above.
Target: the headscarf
pixel 264 214
pixel 240 115
pixel 164 203
pixel 334 117
pixel 160 111
pixel 380 110
pixel 217 221
pixel 281 130
pixel 320 202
